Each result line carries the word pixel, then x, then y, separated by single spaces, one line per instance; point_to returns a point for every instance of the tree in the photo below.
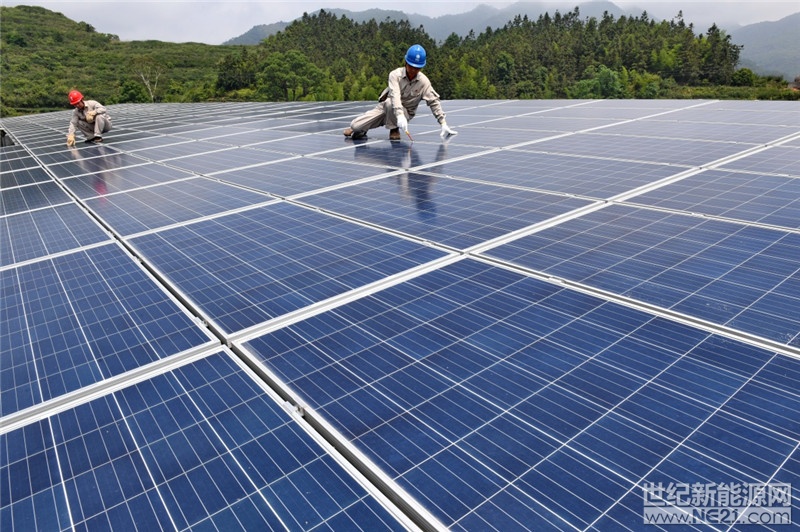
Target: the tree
pixel 608 83
pixel 236 72
pixel 503 71
pixel 148 71
pixel 132 92
pixel 288 76
pixel 720 57
pixel 744 77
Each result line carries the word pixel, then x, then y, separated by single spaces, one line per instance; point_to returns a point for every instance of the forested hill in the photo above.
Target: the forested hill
pixel 43 55
pixel 323 57
pixel 560 56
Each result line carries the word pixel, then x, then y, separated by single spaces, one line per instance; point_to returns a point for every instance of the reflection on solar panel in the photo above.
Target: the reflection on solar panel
pixel 229 316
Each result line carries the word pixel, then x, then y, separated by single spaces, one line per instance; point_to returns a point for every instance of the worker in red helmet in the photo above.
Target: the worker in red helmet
pixel 398 102
pixel 90 117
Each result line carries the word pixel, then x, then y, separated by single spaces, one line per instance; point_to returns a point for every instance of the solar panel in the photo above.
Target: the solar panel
pixel 777 160
pixel 131 178
pixel 568 316
pixel 586 176
pixel 454 213
pixel 161 453
pixel 249 267
pixel 47 231
pixel 296 175
pixel 507 361
pixel 644 149
pixel 690 264
pixel 158 206
pixel 31 197
pixel 761 198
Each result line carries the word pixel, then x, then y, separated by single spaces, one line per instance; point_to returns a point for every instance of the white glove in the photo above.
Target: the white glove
pixel 70 140
pixel 446 131
pixel 402 123
pixel 90 116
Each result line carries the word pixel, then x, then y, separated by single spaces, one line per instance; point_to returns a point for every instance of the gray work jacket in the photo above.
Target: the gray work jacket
pixel 80 115
pixel 405 93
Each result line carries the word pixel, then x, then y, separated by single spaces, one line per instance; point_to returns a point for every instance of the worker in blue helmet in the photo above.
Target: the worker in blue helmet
pixel 399 100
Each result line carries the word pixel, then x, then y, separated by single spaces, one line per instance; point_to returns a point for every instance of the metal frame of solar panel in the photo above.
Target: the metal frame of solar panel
pixel 230 316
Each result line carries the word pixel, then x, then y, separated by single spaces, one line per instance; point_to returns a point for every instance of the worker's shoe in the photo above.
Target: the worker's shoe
pixel 355 135
pixel 394 134
pixel 94 140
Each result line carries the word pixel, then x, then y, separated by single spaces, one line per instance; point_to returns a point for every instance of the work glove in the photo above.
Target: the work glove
pixel 90 116
pixel 402 123
pixel 446 131
pixel 70 140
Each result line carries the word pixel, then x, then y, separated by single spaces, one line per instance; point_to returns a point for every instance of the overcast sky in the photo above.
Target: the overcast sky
pixel 214 22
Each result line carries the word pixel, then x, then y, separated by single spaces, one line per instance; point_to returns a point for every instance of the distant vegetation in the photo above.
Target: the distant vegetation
pixel 43 55
pixel 321 57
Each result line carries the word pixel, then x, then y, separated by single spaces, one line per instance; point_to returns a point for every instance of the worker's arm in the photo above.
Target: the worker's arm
pixel 431 97
pixel 97 107
pixel 397 81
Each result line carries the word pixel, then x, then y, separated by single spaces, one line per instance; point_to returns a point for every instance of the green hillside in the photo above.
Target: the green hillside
pixel 322 57
pixel 43 55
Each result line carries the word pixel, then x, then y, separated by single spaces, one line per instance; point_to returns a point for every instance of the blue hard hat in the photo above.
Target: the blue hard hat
pixel 415 56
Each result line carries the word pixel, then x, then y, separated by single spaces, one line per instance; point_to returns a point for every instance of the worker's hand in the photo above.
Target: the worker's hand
pixel 90 116
pixel 402 123
pixel 446 131
pixel 70 140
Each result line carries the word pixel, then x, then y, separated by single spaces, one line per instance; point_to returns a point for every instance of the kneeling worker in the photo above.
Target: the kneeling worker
pixel 399 101
pixel 89 117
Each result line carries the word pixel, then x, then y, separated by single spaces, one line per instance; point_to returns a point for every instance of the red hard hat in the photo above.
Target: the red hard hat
pixel 75 97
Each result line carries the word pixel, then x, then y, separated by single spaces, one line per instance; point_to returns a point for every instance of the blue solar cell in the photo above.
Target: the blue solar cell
pixel 94 160
pixel 599 178
pixel 710 253
pixel 648 380
pixel 776 160
pixel 183 474
pixel 264 250
pixel 111 181
pixel 295 176
pixel 29 498
pixel 46 231
pixel 16 178
pixel 460 384
pixel 385 155
pixel 645 149
pixel 11 164
pixel 623 446
pixel 574 488
pixel 18 389
pixel 755 198
pixel 90 315
pixel 455 213
pixel 228 159
pixel 736 131
pixel 161 153
pixel 30 197
pixel 152 207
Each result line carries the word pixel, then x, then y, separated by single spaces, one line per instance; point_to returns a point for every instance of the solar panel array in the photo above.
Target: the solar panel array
pixel 228 316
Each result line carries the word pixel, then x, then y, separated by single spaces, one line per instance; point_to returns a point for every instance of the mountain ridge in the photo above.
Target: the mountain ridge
pixel 769 48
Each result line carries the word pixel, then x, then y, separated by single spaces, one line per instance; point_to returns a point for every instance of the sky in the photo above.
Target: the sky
pixel 214 22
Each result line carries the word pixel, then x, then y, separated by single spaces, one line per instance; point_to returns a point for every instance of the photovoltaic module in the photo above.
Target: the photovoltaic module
pixel 571 315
